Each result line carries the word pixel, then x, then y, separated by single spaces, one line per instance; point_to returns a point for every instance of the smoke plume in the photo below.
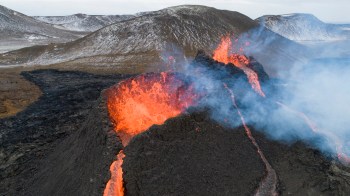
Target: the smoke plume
pixel 307 97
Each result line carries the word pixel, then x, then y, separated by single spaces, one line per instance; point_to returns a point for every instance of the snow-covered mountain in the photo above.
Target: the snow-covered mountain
pixel 19 30
pixel 303 27
pixel 83 22
pixel 140 43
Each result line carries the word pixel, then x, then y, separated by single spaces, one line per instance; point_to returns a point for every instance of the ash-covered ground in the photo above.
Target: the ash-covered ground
pixel 64 143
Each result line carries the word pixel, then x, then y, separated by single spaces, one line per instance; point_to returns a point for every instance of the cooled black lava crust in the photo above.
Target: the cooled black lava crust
pixel 62 144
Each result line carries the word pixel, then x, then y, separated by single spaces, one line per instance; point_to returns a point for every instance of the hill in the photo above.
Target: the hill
pixel 143 43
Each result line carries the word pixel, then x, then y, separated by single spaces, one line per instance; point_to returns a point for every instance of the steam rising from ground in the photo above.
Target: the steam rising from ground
pixel 309 100
pixel 317 87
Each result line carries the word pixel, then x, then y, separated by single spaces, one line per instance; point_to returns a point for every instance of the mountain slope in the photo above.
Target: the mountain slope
pixel 142 43
pixel 188 27
pixel 303 27
pixel 83 22
pixel 17 28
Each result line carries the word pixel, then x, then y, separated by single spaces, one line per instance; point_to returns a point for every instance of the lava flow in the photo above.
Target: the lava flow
pixel 268 185
pixel 342 157
pixel 138 103
pixel 223 53
pixel 115 184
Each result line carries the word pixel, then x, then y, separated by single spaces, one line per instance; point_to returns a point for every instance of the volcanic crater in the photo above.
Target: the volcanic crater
pixel 195 155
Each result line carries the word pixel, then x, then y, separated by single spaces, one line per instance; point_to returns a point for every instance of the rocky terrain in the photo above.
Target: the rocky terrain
pixel 68 100
pixel 18 30
pixel 83 22
pixel 304 27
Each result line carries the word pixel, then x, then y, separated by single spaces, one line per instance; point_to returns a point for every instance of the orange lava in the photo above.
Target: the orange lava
pixel 115 185
pixel 138 103
pixel 223 53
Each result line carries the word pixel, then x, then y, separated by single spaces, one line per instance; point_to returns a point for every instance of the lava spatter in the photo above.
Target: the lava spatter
pixel 223 53
pixel 138 103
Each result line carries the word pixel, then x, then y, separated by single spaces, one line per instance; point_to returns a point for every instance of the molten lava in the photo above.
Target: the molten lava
pixel 224 54
pixel 115 185
pixel 221 52
pixel 138 103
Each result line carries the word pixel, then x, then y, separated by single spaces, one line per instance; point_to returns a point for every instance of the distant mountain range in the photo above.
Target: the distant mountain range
pixel 18 30
pixel 83 22
pixel 304 27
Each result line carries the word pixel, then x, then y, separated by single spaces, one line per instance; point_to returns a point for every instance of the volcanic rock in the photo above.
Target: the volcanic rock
pixel 44 148
pixel 192 155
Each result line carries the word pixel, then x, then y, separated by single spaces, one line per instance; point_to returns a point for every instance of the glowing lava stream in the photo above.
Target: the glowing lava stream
pixel 223 54
pixel 138 103
pixel 342 157
pixel 115 185
pixel 268 184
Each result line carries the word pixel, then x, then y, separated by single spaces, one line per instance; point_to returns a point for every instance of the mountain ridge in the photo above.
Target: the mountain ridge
pixel 18 28
pixel 303 27
pixel 83 22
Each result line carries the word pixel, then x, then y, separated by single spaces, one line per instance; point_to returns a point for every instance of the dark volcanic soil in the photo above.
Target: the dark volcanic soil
pixel 192 155
pixel 63 144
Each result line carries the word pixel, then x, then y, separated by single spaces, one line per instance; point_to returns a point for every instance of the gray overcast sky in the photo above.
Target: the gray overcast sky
pixel 326 10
